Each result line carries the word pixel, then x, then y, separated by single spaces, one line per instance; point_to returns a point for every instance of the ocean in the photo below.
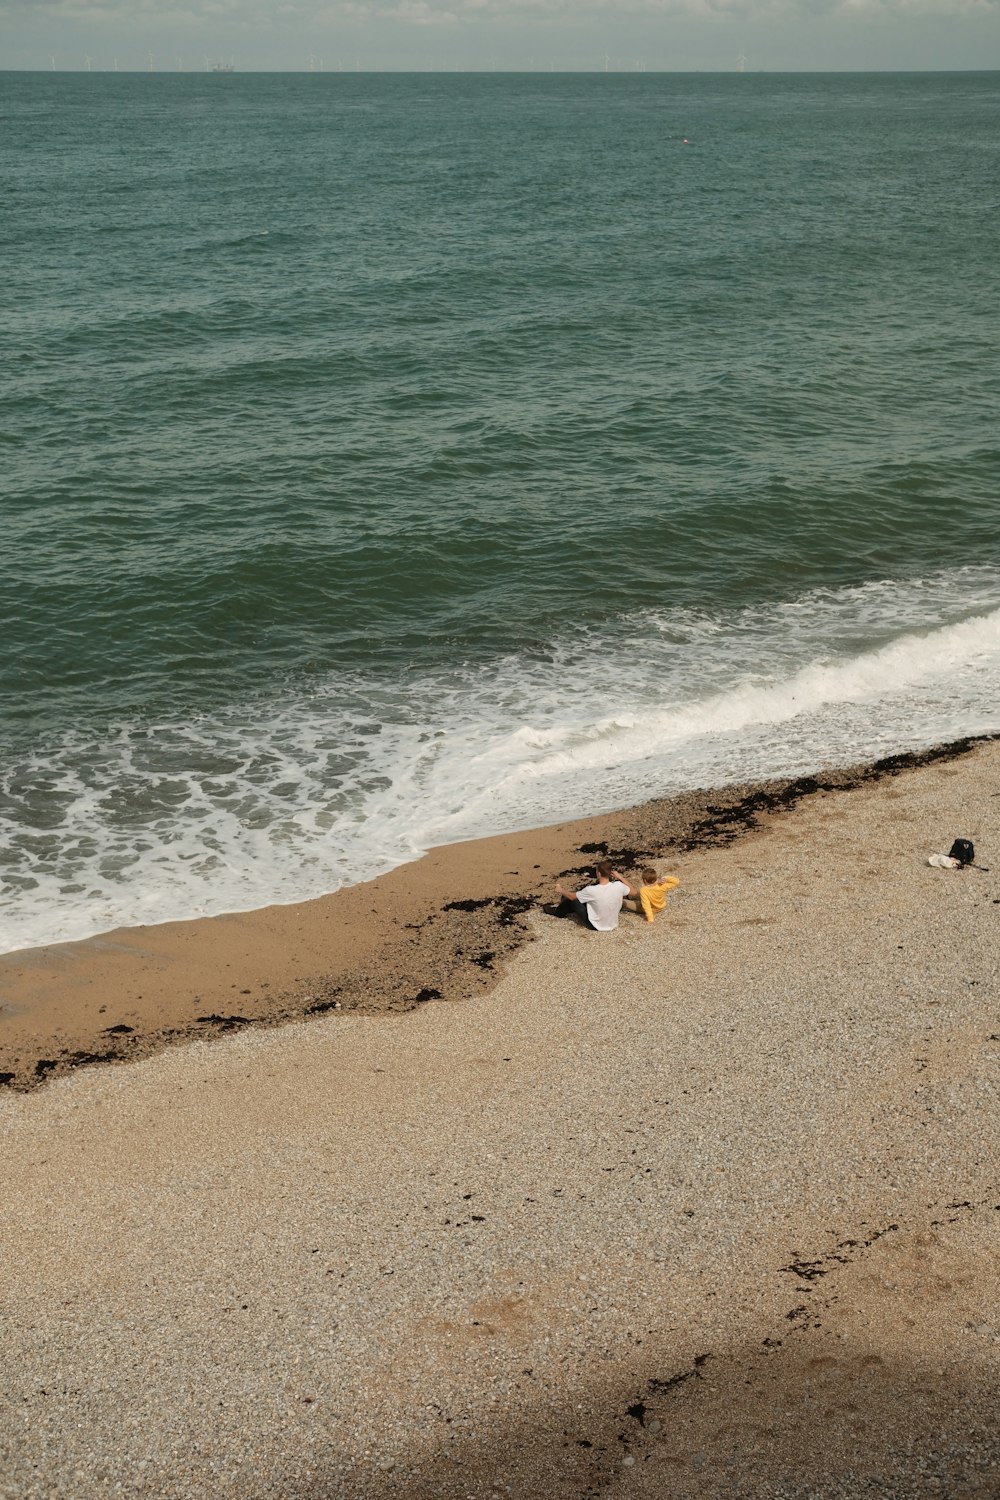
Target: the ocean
pixel 393 459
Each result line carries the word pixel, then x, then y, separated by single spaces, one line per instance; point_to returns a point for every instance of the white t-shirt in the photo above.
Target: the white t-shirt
pixel 604 902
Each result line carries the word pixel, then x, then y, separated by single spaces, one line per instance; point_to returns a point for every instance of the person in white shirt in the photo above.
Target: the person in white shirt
pixel 597 906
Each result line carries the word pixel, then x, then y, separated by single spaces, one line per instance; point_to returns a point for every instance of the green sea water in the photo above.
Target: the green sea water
pixel 388 459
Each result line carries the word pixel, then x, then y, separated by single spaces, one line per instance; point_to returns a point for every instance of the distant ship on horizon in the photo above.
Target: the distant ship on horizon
pixel 221 67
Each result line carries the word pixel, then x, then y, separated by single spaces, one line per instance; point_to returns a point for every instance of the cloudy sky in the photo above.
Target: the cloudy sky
pixel 502 34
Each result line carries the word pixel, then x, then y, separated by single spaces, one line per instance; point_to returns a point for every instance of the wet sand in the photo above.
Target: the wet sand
pixel 441 928
pixel 709 1208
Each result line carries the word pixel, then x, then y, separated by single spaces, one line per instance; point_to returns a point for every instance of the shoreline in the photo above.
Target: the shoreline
pixel 441 928
pixel 705 1208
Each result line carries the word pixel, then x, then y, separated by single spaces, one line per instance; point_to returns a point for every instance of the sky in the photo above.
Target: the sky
pixel 655 35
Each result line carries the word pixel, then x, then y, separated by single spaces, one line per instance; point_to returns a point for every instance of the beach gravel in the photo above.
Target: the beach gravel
pixel 700 1209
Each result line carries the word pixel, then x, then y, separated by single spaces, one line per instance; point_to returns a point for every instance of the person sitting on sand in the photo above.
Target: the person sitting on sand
pixel 597 906
pixel 652 895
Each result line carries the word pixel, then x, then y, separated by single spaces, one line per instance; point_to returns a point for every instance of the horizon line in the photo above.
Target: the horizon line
pixel 633 71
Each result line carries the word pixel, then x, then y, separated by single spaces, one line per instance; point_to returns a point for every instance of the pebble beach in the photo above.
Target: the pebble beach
pixel 699 1209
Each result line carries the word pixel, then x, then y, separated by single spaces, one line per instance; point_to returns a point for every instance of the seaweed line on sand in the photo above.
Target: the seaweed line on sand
pixel 460 949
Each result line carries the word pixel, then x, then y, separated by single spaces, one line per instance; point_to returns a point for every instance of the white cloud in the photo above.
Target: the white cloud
pixel 457 12
pixel 581 10
pixel 904 8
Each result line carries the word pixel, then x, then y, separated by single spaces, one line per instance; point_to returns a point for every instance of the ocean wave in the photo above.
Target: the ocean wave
pixel 339 778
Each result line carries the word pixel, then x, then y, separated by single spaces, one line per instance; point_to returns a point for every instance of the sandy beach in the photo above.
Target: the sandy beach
pixel 704 1208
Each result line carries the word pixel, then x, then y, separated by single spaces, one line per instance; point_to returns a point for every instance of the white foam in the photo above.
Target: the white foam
pixel 816 690
pixel 286 800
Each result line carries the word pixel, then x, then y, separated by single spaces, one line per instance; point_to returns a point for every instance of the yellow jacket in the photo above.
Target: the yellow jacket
pixel 654 897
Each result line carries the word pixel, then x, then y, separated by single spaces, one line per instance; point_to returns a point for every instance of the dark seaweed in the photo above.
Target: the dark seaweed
pixel 320 1007
pixel 506 907
pixel 679 1379
pixel 725 824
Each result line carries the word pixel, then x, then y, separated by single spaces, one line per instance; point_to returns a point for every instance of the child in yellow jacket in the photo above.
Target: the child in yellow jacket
pixel 653 892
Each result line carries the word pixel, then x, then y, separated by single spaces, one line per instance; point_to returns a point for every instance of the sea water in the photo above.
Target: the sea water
pixel 388 460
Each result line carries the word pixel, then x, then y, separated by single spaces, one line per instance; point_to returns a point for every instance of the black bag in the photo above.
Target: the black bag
pixel 963 851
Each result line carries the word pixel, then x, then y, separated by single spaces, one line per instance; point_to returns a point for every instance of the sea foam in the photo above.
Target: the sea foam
pixel 285 798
